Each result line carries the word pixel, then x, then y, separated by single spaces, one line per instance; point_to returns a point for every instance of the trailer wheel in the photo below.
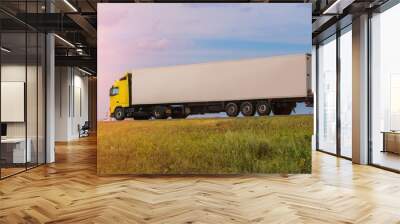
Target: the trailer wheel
pixel 263 108
pixel 232 109
pixel 283 108
pixel 247 109
pixel 160 112
pixel 119 113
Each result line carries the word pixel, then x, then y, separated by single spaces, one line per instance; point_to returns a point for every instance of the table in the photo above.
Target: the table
pixel 13 150
pixel 391 141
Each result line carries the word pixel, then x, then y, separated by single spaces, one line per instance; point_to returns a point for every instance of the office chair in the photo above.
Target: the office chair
pixel 84 130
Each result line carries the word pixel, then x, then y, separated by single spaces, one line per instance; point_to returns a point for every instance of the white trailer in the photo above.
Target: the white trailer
pixel 241 86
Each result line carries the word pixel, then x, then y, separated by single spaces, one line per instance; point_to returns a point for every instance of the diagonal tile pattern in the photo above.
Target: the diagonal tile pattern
pixel 69 191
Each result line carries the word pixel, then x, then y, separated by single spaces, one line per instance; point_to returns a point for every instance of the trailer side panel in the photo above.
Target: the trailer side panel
pixel 261 78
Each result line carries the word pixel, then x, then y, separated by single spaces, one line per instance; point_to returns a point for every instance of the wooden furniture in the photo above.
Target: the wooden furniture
pixel 391 141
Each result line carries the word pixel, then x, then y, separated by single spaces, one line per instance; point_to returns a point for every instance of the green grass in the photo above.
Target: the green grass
pixel 278 144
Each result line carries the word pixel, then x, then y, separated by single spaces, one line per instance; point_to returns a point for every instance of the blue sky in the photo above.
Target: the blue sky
pixel 132 36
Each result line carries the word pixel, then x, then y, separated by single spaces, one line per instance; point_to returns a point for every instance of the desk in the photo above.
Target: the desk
pixel 391 141
pixel 13 150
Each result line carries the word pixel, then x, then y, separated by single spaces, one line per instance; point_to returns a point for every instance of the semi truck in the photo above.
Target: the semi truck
pixel 248 87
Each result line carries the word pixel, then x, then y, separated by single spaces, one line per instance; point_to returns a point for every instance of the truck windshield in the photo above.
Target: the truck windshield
pixel 114 91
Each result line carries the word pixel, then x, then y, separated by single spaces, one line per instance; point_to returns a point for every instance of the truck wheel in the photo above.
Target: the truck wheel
pixel 232 109
pixel 263 108
pixel 160 112
pixel 283 108
pixel 119 113
pixel 247 109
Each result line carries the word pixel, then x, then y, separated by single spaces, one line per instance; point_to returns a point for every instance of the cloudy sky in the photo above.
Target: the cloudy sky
pixel 132 36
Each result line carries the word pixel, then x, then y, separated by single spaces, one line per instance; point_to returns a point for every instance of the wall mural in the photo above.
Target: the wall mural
pixel 204 88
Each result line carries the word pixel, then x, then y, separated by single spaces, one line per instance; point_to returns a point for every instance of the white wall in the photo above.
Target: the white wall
pixel 80 112
pixel 33 127
pixel 71 102
pixel 12 73
pixel 62 82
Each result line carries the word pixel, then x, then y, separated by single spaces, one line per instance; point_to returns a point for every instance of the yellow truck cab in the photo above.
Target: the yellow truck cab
pixel 120 96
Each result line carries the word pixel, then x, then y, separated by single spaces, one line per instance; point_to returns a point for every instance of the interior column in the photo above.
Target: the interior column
pixel 360 90
pixel 50 92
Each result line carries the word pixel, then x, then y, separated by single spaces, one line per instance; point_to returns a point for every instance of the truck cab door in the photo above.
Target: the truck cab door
pixel 119 94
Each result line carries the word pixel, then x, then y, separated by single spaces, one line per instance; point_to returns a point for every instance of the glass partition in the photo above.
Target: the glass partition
pixel 346 92
pixel 22 77
pixel 385 89
pixel 14 153
pixel 327 97
pixel 31 97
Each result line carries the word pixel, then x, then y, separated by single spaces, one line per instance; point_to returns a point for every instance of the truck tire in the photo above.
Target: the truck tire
pixel 160 112
pixel 263 108
pixel 247 109
pixel 232 109
pixel 283 108
pixel 119 113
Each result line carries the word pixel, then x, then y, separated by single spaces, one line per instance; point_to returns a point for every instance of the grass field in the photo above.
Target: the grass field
pixel 278 144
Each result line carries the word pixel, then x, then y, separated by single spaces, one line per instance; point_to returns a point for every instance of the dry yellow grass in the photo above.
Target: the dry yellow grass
pixel 278 144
